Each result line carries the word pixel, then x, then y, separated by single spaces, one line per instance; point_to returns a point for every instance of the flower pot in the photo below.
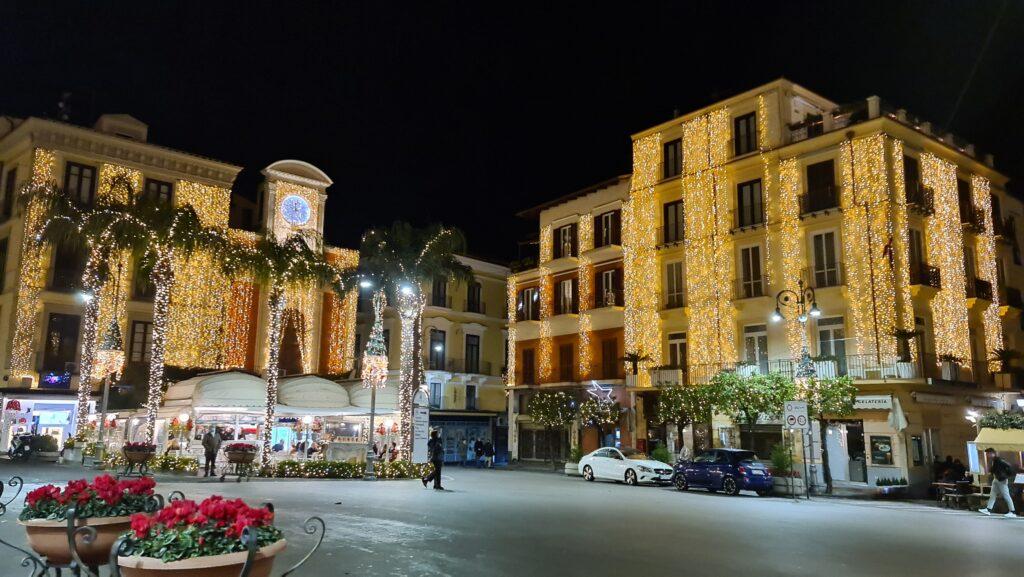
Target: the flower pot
pixel 906 370
pixel 243 457
pixel 785 486
pixel 950 371
pixel 891 491
pixel 227 565
pixel 72 455
pixel 572 469
pixel 138 457
pixel 47 456
pixel 50 538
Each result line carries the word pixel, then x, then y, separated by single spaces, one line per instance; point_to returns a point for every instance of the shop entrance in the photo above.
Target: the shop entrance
pixel 845 442
pixel 537 445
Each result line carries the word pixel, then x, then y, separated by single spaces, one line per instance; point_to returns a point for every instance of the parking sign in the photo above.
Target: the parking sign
pixel 795 415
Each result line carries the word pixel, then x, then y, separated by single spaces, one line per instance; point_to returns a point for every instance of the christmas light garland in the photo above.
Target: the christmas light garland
pixel 789 239
pixel 585 294
pixel 410 310
pixel 641 281
pixel 375 358
pixel 340 323
pixel 545 346
pixel 987 257
pixel 901 242
pixel 510 307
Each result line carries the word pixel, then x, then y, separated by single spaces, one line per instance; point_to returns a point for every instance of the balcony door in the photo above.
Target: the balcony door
pixel 916 250
pixel 832 340
pixel 826 266
pixel 677 350
pixel 755 346
pixel 437 350
pixel 674 287
pixel 473 354
pixel 750 266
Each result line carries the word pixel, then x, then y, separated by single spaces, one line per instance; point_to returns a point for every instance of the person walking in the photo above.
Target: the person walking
pixel 488 454
pixel 435 450
pixel 1002 472
pixel 478 452
pixel 463 444
pixel 211 444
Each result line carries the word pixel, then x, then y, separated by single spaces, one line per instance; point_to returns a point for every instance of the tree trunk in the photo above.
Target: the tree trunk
pixel 92 314
pixel 275 303
pixel 409 311
pixel 826 472
pixel 162 278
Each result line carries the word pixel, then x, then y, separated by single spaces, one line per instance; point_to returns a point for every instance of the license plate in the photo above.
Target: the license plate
pixel 757 472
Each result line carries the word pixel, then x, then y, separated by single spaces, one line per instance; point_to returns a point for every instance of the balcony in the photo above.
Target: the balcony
pixel 920 198
pixel 1012 297
pixel 478 307
pixel 926 275
pixel 610 370
pixel 748 218
pixel 440 300
pixel 669 236
pixel 608 299
pixel 671 301
pixel 1005 230
pixel 468 366
pixel 819 278
pixel 972 219
pixel 821 199
pixel 979 289
pixel 750 289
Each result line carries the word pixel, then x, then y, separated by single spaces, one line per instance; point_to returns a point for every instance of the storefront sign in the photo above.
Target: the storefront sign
pixel 420 433
pixel 795 415
pixel 932 399
pixel 872 402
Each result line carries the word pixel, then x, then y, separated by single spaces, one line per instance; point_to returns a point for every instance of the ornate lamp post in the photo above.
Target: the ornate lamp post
pixel 375 370
pixel 805 304
pixel 109 362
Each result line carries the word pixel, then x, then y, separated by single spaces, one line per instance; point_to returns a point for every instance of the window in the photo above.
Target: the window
pixel 963 194
pixel 529 304
pixel 159 190
pixel 437 350
pixel 565 241
pixel 435 395
pixel 529 368
pixel 68 267
pixel 744 133
pixel 439 292
pixel 677 350
pixel 969 267
pixel 675 290
pixel 567 292
pixel 916 251
pixel 749 210
pixel 3 263
pixel 609 288
pixel 755 346
pixel 9 191
pixel 610 359
pixel 470 397
pixel 826 268
pixel 473 301
pixel 832 340
pixel 141 342
pixel 80 182
pixel 608 229
pixel 61 344
pixel 672 158
pixel 821 187
pixel 473 354
pixel 673 222
pixel 911 174
pixel 751 284
pixel 565 362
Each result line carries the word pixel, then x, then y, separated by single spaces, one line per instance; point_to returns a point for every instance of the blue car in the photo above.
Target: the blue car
pixel 726 470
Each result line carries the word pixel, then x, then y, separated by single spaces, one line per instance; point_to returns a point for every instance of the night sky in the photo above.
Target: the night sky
pixel 468 113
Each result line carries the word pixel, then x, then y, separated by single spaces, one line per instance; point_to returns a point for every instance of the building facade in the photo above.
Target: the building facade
pixel 894 226
pixel 215 322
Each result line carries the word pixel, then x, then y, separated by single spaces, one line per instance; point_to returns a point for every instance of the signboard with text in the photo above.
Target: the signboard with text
pixel 795 415
pixel 420 434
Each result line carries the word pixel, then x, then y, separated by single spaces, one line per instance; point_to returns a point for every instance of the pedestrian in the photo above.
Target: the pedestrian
pixel 211 444
pixel 684 453
pixel 462 451
pixel 470 454
pixel 435 450
pixel 1002 472
pixel 478 451
pixel 488 454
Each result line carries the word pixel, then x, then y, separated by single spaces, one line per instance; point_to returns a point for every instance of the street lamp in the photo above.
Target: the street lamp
pixel 797 300
pixel 365 283
pixel 307 420
pixel 406 289
pixel 109 361
pixel 182 425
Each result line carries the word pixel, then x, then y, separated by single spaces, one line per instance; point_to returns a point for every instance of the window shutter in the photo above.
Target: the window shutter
pixel 556 246
pixel 599 283
pixel 574 236
pixel 598 233
pixel 616 227
pixel 575 295
pixel 619 297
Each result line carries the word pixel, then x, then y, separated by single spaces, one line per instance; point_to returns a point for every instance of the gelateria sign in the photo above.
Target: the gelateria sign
pixel 872 402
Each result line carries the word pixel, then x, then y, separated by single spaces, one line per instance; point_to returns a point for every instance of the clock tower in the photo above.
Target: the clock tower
pixel 295 193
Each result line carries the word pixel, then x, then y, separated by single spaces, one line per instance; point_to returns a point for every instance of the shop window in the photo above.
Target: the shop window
pixel 881 450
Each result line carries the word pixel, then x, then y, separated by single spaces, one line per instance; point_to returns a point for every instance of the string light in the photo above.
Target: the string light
pixel 241 310
pixel 708 244
pixel 275 306
pixel 282 189
pixel 585 294
pixel 763 140
pixel 901 242
pixel 789 238
pixel 340 325
pixel 946 249
pixel 987 257
pixel 510 307
pixel 546 344
pixel 375 358
pixel 546 241
pixel 641 281
pixel 410 310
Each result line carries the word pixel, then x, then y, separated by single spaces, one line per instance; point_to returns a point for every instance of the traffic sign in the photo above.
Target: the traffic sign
pixel 795 415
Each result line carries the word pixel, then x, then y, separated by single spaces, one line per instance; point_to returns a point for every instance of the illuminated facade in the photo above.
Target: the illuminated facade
pixel 215 322
pixel 895 226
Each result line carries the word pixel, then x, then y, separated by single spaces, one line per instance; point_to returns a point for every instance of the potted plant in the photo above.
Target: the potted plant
pixel 185 539
pixel 950 366
pixel 244 453
pixel 905 368
pixel 105 505
pixel 891 487
pixel 44 447
pixel 1005 358
pixel 138 453
pixel 72 452
pixel 826 366
pixel 572 466
pixel 785 479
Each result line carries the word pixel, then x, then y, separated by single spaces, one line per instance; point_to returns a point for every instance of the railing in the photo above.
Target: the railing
pixel 561 308
pixel 468 366
pixel 920 198
pixel 979 288
pixel 613 369
pixel 819 278
pixel 440 301
pixel 749 289
pixel 608 299
pixel 819 199
pixel 478 307
pixel 671 301
pixel 926 275
pixel 670 236
pixel 807 128
pixel 973 219
pixel 1012 297
pixel 748 217
pixel 534 315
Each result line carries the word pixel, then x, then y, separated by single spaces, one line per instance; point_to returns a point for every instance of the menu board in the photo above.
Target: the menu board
pixel 881 450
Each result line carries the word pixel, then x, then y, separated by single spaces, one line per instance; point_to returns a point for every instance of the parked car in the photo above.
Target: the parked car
pixel 626 465
pixel 726 470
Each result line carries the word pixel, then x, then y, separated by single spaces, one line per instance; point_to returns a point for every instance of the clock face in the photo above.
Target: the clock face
pixel 295 210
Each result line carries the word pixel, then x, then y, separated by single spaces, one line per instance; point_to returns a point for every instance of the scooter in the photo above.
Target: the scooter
pixel 21 449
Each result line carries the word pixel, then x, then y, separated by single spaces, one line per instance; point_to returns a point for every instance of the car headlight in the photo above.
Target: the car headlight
pixel 644 469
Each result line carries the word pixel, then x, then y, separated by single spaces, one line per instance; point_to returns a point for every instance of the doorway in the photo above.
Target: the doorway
pixel 846 456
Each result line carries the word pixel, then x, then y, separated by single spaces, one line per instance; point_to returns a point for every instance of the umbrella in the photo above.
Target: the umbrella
pixel 897 419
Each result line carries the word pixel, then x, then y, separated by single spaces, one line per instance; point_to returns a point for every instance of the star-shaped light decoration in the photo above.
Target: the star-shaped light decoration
pixel 602 394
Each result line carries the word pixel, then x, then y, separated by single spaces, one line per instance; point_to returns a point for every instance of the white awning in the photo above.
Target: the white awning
pixel 235 391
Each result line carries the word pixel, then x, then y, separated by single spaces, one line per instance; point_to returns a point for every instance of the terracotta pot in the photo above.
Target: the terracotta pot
pixel 227 565
pixel 240 456
pixel 50 538
pixel 138 457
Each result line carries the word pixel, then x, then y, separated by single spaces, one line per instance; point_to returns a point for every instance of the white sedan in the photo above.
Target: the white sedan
pixel 627 465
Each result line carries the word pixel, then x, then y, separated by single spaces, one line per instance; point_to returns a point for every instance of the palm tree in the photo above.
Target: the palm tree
pixel 278 265
pixel 400 259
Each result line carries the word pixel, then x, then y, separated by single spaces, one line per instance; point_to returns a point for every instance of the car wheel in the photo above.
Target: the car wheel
pixel 680 483
pixel 588 473
pixel 730 487
pixel 763 493
pixel 630 477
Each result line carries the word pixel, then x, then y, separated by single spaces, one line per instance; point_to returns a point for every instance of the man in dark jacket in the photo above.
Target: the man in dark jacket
pixel 211 444
pixel 1002 473
pixel 435 450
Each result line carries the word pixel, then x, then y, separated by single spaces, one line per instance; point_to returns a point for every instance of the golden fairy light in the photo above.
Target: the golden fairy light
pixel 641 281
pixel 789 238
pixel 510 304
pixel 545 347
pixel 987 257
pixel 901 242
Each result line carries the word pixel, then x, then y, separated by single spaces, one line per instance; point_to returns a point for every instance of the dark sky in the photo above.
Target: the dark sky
pixel 467 113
